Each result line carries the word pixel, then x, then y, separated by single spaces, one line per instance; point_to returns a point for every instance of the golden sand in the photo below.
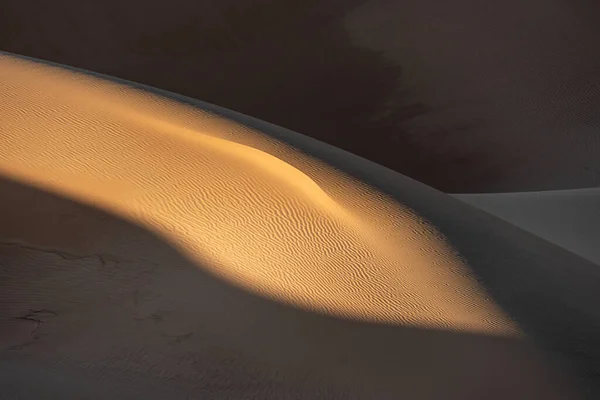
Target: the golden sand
pixel 262 215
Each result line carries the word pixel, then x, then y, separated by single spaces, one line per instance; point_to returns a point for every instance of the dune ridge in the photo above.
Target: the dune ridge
pixel 464 97
pixel 110 152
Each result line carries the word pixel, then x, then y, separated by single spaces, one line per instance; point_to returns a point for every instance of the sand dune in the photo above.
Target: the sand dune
pixel 568 218
pixel 154 247
pixel 226 202
pixel 466 96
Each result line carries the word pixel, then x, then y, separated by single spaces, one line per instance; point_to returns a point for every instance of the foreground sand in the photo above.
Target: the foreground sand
pixel 154 248
pixel 568 218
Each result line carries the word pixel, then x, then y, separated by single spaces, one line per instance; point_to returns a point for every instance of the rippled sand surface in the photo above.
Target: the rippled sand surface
pixel 97 276
pixel 216 190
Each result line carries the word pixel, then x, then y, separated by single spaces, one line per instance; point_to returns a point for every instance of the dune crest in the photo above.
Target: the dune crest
pixel 261 214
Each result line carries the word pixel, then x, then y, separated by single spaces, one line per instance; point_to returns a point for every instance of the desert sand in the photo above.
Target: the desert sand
pixel 159 247
pixel 465 96
pixel 568 218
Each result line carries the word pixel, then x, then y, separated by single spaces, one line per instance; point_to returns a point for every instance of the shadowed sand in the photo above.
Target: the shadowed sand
pixel 238 239
pixel 568 218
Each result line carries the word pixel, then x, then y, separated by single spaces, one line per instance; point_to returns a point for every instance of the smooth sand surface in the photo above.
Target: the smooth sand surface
pixel 168 250
pixel 465 96
pixel 568 218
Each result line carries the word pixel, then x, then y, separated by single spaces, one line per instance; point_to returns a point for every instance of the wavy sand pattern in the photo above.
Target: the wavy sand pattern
pixel 261 222
pixel 285 228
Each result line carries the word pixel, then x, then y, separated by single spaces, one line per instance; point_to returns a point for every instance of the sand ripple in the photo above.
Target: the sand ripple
pixel 262 215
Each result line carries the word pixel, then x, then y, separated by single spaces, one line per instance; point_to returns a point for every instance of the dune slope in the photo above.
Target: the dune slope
pixel 467 96
pixel 244 221
pixel 568 218
pixel 214 193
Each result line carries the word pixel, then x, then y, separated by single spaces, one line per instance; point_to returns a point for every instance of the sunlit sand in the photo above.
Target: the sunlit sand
pixel 229 197
pixel 256 214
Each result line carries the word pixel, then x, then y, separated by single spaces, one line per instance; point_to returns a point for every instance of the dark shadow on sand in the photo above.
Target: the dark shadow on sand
pixel 225 342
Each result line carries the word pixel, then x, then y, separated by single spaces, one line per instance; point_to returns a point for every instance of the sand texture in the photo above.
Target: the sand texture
pixel 465 96
pixel 156 247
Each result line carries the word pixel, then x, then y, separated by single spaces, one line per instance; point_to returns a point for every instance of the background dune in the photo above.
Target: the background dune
pixel 467 96
pixel 569 218
pixel 284 267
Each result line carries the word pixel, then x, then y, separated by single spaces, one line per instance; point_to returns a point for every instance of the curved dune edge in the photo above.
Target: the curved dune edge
pixel 236 200
pixel 567 218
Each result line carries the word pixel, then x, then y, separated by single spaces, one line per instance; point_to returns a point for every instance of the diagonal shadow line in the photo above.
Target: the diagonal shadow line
pixel 217 338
